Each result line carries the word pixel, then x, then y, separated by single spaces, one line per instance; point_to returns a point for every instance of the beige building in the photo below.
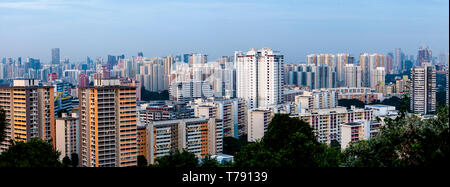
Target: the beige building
pixel 326 123
pixel 233 112
pixel 258 122
pixel 201 136
pixel 352 132
pixel 67 135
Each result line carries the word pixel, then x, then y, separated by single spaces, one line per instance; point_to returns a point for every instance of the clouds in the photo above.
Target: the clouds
pixel 43 4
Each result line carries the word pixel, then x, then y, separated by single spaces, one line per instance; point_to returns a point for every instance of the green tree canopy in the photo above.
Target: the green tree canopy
pixel 177 159
pixel 3 124
pixel 209 162
pixel 288 142
pixel 142 161
pixel 75 160
pixel 33 153
pixel 406 141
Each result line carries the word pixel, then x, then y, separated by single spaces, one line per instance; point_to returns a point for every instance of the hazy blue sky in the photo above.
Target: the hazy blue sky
pixel 166 27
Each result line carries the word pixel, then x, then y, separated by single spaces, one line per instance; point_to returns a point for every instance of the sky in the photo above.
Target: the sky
pixel 96 28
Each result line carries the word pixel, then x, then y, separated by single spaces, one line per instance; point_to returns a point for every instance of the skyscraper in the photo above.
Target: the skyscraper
pixel 108 124
pixel 342 60
pixel 399 60
pixel 423 89
pixel 55 56
pixel 424 55
pixel 260 75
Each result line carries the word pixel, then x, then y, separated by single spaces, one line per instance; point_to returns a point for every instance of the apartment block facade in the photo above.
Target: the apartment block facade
pixel 108 125
pixel 29 109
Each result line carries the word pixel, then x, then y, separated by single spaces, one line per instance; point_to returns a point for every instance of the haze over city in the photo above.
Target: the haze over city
pixel 96 28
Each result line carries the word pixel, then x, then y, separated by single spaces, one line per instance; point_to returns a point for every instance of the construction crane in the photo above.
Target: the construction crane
pixel 60 94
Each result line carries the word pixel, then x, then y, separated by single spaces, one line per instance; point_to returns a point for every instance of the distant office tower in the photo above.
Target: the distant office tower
pixel 55 56
pixel 258 122
pixel 200 136
pixel 112 61
pixel 29 110
pixel 423 89
pixel 108 119
pixel 140 54
pixel 424 55
pixel 187 58
pixel 353 76
pixel 67 135
pixel 389 64
pixel 399 59
pixel 341 61
pixel 260 77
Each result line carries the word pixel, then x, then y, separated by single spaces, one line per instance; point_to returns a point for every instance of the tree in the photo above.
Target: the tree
pixel 349 102
pixel 75 160
pixel 66 162
pixel 3 124
pixel 209 162
pixel 177 159
pixel 288 142
pixel 406 141
pixel 232 145
pixel 151 96
pixel 33 153
pixel 142 161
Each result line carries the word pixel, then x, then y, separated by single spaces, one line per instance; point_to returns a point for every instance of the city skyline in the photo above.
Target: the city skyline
pixel 96 28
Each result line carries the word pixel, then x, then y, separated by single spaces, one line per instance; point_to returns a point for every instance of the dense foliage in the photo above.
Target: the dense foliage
pixel 351 102
pixel 177 159
pixel 406 141
pixel 152 96
pixel 289 142
pixel 232 145
pixel 3 124
pixel 33 153
pixel 142 161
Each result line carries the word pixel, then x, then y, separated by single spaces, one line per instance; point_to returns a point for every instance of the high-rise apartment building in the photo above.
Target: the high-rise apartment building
pixel 312 76
pixel 108 124
pixel 353 76
pixel 29 111
pixel 260 76
pixel 317 99
pixel 423 89
pixel 55 56
pixel 341 62
pixel 232 111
